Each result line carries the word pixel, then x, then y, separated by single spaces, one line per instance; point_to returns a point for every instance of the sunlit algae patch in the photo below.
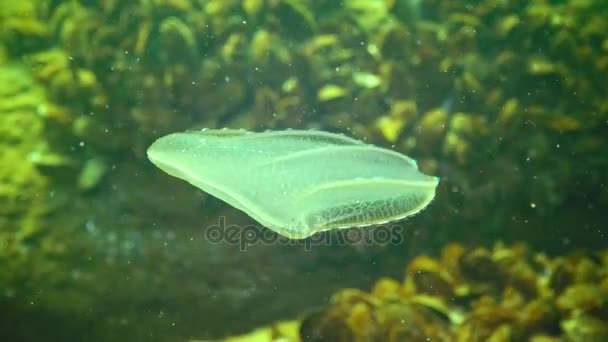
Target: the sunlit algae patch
pixel 296 182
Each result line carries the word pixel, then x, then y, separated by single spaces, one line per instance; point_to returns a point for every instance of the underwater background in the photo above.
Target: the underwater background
pixel 506 101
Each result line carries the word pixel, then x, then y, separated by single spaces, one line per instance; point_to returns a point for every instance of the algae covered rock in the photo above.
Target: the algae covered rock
pixel 22 186
pixel 22 25
pixel 467 306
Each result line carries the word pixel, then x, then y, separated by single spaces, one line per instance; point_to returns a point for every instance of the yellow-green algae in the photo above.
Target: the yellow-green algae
pixel 503 294
pixel 23 189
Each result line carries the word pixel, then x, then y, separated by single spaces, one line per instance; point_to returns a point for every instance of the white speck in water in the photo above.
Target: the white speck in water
pixel 532 205
pixel 90 226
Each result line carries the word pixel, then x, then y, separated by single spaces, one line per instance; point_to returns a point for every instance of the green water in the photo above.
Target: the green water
pixel 505 101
